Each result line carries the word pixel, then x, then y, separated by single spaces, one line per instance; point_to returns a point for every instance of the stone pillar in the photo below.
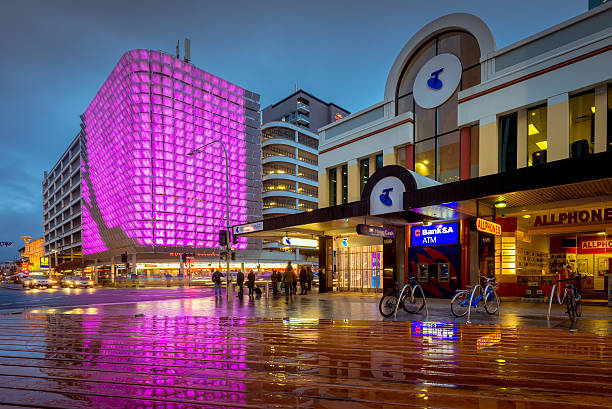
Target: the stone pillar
pixel 488 146
pixel 113 271
pixel 601 118
pixel 95 271
pixel 339 185
pixel 134 271
pixel 521 139
pixel 354 192
pixel 557 125
pixel 465 155
pixel 326 264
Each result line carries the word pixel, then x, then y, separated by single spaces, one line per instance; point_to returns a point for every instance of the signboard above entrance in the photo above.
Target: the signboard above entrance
pixel 376 231
pixel 435 235
pixel 574 217
pixel 293 241
pixel 488 227
pixel 387 196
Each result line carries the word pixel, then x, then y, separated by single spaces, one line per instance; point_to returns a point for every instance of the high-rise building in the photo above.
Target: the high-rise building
pixel 62 206
pixel 290 148
pixel 143 193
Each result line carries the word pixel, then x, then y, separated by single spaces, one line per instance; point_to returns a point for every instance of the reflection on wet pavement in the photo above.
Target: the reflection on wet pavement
pixel 83 360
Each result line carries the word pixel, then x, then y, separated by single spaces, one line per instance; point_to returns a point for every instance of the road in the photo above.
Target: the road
pixel 61 297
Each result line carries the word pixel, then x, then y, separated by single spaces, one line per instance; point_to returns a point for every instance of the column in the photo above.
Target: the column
pixel 465 144
pixel 339 184
pixel 521 139
pixel 389 156
pixel 601 118
pixel 71 254
pixel 113 271
pixel 134 271
pixel 323 190
pixel 95 271
pixel 488 147
pixel 354 193
pixel 557 125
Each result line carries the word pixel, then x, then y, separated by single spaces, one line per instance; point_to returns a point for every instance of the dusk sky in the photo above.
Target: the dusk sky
pixel 56 55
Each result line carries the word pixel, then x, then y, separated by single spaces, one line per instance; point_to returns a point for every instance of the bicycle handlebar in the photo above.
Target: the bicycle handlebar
pixel 573 278
pixel 488 279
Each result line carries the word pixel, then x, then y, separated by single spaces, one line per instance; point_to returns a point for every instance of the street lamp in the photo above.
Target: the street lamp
pixel 227 214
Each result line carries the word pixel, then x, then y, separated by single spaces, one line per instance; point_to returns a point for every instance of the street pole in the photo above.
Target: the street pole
pixel 227 214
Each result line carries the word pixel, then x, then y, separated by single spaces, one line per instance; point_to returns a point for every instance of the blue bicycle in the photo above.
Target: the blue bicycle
pixel 461 301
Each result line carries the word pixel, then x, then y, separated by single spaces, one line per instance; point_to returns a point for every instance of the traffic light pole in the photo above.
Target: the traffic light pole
pixel 227 214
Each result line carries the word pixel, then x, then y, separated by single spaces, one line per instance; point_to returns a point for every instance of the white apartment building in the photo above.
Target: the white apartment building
pixel 62 206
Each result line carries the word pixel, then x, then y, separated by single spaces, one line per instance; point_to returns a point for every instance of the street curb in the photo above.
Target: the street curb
pixel 12 286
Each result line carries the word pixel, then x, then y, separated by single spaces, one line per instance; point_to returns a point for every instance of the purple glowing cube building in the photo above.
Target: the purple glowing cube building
pixel 141 189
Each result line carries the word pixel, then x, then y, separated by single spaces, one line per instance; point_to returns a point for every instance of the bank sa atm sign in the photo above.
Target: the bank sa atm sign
pixel 435 235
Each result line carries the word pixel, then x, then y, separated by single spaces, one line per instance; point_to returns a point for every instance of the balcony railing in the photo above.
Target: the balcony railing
pixel 301 118
pixel 301 107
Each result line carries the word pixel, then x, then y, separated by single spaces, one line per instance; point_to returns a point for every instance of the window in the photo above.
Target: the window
pixel 379 161
pixel 364 173
pixel 507 142
pixel 536 136
pixel 582 124
pixel 333 185
pixel 439 124
pixel 344 183
pixel 474 151
pixel 449 151
pixel 425 158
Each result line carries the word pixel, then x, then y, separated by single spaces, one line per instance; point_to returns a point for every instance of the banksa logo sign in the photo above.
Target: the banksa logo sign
pixel 435 235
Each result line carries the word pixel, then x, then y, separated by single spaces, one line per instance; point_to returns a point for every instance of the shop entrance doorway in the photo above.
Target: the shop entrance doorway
pixel 359 268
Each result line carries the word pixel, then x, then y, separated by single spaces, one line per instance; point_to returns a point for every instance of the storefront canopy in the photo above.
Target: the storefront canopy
pixel 397 196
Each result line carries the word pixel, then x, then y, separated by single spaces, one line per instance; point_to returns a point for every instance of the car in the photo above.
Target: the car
pixel 66 281
pixel 37 281
pixel 78 282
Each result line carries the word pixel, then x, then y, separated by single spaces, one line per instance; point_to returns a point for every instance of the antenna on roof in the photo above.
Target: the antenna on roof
pixel 187 50
pixel 295 87
pixel 178 43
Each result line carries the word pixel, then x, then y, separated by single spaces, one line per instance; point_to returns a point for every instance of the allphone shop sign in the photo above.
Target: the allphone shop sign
pixel 435 235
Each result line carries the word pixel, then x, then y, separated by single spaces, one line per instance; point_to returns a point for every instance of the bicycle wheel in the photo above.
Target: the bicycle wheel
pixel 387 304
pixel 570 307
pixel 491 303
pixel 414 306
pixel 578 306
pixel 460 303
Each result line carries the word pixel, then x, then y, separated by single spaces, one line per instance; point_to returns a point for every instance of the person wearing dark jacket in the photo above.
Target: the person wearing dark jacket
pixel 216 278
pixel 310 277
pixel 303 280
pixel 288 279
pixel 251 282
pixel 275 280
pixel 240 282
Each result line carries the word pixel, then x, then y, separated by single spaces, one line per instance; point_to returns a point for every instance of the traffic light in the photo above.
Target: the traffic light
pixel 234 239
pixel 233 256
pixel 223 238
pixel 184 257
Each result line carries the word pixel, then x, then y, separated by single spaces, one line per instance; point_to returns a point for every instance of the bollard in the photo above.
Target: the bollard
pixel 552 293
pixel 398 300
pixel 267 292
pixel 424 298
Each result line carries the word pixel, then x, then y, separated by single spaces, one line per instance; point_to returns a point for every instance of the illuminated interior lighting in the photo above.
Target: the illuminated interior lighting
pixel 500 204
pixel 602 233
pixel 592 110
pixel 526 216
pixel 543 145
pixel 532 129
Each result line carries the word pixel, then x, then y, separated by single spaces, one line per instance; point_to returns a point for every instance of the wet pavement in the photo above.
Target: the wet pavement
pixel 120 361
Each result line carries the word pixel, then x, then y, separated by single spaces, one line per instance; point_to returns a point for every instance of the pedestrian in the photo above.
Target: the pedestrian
pixel 168 279
pixel 240 282
pixel 295 281
pixel 288 279
pixel 310 277
pixel 275 281
pixel 251 283
pixel 303 281
pixel 216 279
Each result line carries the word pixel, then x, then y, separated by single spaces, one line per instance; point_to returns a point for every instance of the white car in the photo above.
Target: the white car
pixel 38 280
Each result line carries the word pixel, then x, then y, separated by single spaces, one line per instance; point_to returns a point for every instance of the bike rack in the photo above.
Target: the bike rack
pixel 552 293
pixel 471 299
pixel 411 298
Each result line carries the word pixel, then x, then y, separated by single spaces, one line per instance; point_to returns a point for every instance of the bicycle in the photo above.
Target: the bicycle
pixel 461 301
pixel 572 297
pixel 410 301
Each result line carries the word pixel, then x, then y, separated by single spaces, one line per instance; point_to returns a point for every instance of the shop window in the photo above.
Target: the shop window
pixel 449 151
pixel 507 142
pixel 427 52
pixel 425 158
pixel 364 173
pixel 582 124
pixel 609 139
pixel 474 151
pixel 344 183
pixel 536 136
pixel 405 103
pixel 333 185
pixel 379 161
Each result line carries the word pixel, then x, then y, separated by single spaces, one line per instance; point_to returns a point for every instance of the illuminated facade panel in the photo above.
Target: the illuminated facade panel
pixel 140 187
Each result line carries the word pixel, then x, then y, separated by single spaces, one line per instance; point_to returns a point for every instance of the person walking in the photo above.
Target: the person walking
pixel 295 281
pixel 240 283
pixel 251 283
pixel 288 279
pixel 275 281
pixel 310 277
pixel 216 279
pixel 303 281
